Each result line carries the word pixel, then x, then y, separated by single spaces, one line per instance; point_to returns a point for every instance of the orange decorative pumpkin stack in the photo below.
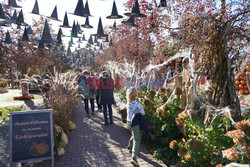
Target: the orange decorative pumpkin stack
pixel 243 81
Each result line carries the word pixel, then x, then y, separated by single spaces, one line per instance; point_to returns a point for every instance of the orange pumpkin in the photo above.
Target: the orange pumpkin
pixel 241 90
pixel 246 91
pixel 237 86
pixel 245 87
pixel 240 86
pixel 237 82
pixel 242 82
pixel 241 77
pixel 243 73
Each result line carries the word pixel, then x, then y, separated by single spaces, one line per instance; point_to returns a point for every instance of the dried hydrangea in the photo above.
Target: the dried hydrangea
pixel 238 136
pixel 244 125
pixel 173 145
pixel 232 154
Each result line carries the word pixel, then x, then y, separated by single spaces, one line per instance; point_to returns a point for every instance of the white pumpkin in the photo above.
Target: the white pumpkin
pixel 72 126
pixel 61 151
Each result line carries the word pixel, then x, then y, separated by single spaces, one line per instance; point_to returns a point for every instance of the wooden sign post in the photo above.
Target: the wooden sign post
pixel 31 136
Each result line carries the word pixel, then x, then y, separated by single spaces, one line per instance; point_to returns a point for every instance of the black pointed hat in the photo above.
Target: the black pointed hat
pixel 107 39
pixel 78 28
pixel 19 44
pixel 13 3
pixel 36 8
pixel 79 40
pixel 65 21
pixel 87 12
pixel 79 11
pixel 86 25
pixel 2 13
pixel 114 26
pixel 29 30
pixel 90 41
pixel 8 39
pixel 71 42
pixel 95 40
pixel 54 15
pixel 114 13
pixel 14 16
pixel 20 19
pixel 100 32
pixel 163 3
pixel 41 45
pixel 46 36
pixel 68 50
pixel 111 42
pixel 59 36
pixel 101 47
pixel 83 37
pixel 74 30
pixel 79 46
pixel 25 35
pixel 130 22
pixel 135 11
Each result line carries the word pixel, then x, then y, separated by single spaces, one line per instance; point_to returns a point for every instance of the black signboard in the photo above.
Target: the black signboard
pixel 31 136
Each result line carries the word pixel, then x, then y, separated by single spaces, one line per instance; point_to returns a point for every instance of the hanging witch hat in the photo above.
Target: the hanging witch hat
pixel 41 45
pixel 68 50
pixel 79 46
pixel 19 44
pixel 83 38
pixel 29 30
pixel 111 42
pixel 101 47
pixel 79 40
pixel 130 22
pixel 2 13
pixel 114 26
pixel 74 31
pixel 90 41
pixel 86 25
pixel 12 3
pixel 54 15
pixel 20 19
pixel 79 10
pixel 46 36
pixel 65 21
pixel 87 12
pixel 14 16
pixel 3 19
pixel 95 40
pixel 135 11
pixel 163 3
pixel 59 36
pixel 36 8
pixel 114 13
pixel 25 35
pixel 78 28
pixel 100 32
pixel 107 39
pixel 8 39
pixel 71 42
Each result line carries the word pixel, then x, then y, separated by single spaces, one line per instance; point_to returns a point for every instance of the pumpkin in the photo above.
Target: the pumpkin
pixel 61 144
pixel 241 90
pixel 72 126
pixel 61 151
pixel 241 77
pixel 42 148
pixel 243 73
pixel 64 138
pixel 242 82
pixel 246 91
pixel 240 86
pixel 237 86
pixel 237 82
pixel 245 87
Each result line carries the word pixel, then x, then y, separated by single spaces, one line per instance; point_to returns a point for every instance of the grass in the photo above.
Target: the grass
pixel 9 109
pixel 12 100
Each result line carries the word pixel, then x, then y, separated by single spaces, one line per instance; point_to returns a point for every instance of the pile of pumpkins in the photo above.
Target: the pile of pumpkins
pixel 243 81
pixel 61 137
pixel 3 86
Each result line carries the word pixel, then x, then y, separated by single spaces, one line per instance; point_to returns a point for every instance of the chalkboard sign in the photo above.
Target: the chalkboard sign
pixel 31 136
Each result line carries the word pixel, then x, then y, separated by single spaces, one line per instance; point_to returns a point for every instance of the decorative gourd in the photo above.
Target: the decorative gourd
pixel 64 138
pixel 61 144
pixel 72 126
pixel 61 151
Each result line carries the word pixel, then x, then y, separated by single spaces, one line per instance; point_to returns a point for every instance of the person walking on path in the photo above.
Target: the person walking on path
pixel 87 89
pixel 106 86
pixel 136 120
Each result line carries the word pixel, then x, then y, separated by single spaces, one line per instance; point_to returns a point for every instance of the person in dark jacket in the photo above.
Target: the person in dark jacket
pixel 106 86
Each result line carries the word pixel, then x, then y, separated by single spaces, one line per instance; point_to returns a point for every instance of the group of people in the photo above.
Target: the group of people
pixel 90 88
pixel 101 89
